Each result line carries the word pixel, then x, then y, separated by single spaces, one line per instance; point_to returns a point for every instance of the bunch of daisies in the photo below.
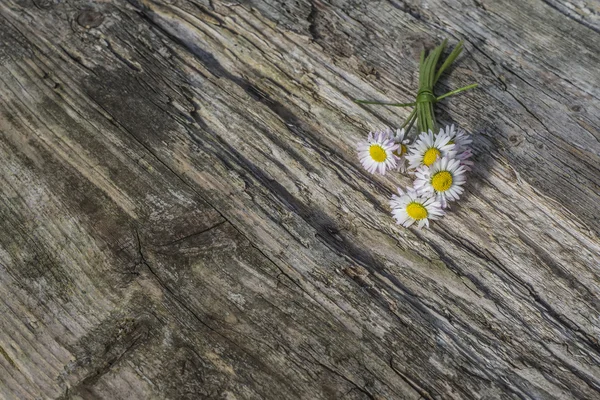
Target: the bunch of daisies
pixel 437 161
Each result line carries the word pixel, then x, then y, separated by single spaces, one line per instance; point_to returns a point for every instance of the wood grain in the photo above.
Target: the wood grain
pixel 183 215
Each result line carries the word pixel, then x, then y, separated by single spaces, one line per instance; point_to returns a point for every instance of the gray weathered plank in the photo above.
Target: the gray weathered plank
pixel 184 216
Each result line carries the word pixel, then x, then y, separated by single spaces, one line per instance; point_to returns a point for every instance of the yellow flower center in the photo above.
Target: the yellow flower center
pixel 377 153
pixel 401 150
pixel 416 211
pixel 430 156
pixel 441 181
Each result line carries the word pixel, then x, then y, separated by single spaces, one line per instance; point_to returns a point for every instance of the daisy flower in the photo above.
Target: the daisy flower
pixel 377 152
pixel 463 157
pixel 462 142
pixel 444 180
pixel 401 152
pixel 428 148
pixel 459 137
pixel 411 207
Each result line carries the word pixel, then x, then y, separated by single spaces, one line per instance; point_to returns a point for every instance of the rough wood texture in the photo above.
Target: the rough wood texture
pixel 183 215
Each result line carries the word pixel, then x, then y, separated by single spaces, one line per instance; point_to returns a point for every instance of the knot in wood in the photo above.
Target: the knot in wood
pixel 43 4
pixel 90 19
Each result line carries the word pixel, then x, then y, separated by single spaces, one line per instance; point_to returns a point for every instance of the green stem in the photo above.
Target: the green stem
pixel 457 91
pixel 449 60
pixel 427 75
pixel 412 122
pixel 385 104
pixel 411 117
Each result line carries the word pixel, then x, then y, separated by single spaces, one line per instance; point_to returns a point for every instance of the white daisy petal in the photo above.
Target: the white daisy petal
pixel 462 141
pixel 458 137
pixel 402 150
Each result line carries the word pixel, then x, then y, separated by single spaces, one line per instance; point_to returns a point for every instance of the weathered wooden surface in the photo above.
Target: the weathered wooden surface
pixel 183 214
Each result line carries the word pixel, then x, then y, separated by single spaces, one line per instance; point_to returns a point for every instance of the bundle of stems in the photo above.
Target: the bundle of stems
pixel 428 76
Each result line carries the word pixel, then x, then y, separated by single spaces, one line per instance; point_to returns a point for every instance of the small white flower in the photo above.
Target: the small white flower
pixel 428 148
pixel 377 152
pixel 458 137
pixel 411 207
pixel 444 180
pixel 462 142
pixel 401 152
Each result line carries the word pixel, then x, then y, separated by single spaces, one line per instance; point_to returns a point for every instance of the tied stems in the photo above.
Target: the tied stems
pixel 423 112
